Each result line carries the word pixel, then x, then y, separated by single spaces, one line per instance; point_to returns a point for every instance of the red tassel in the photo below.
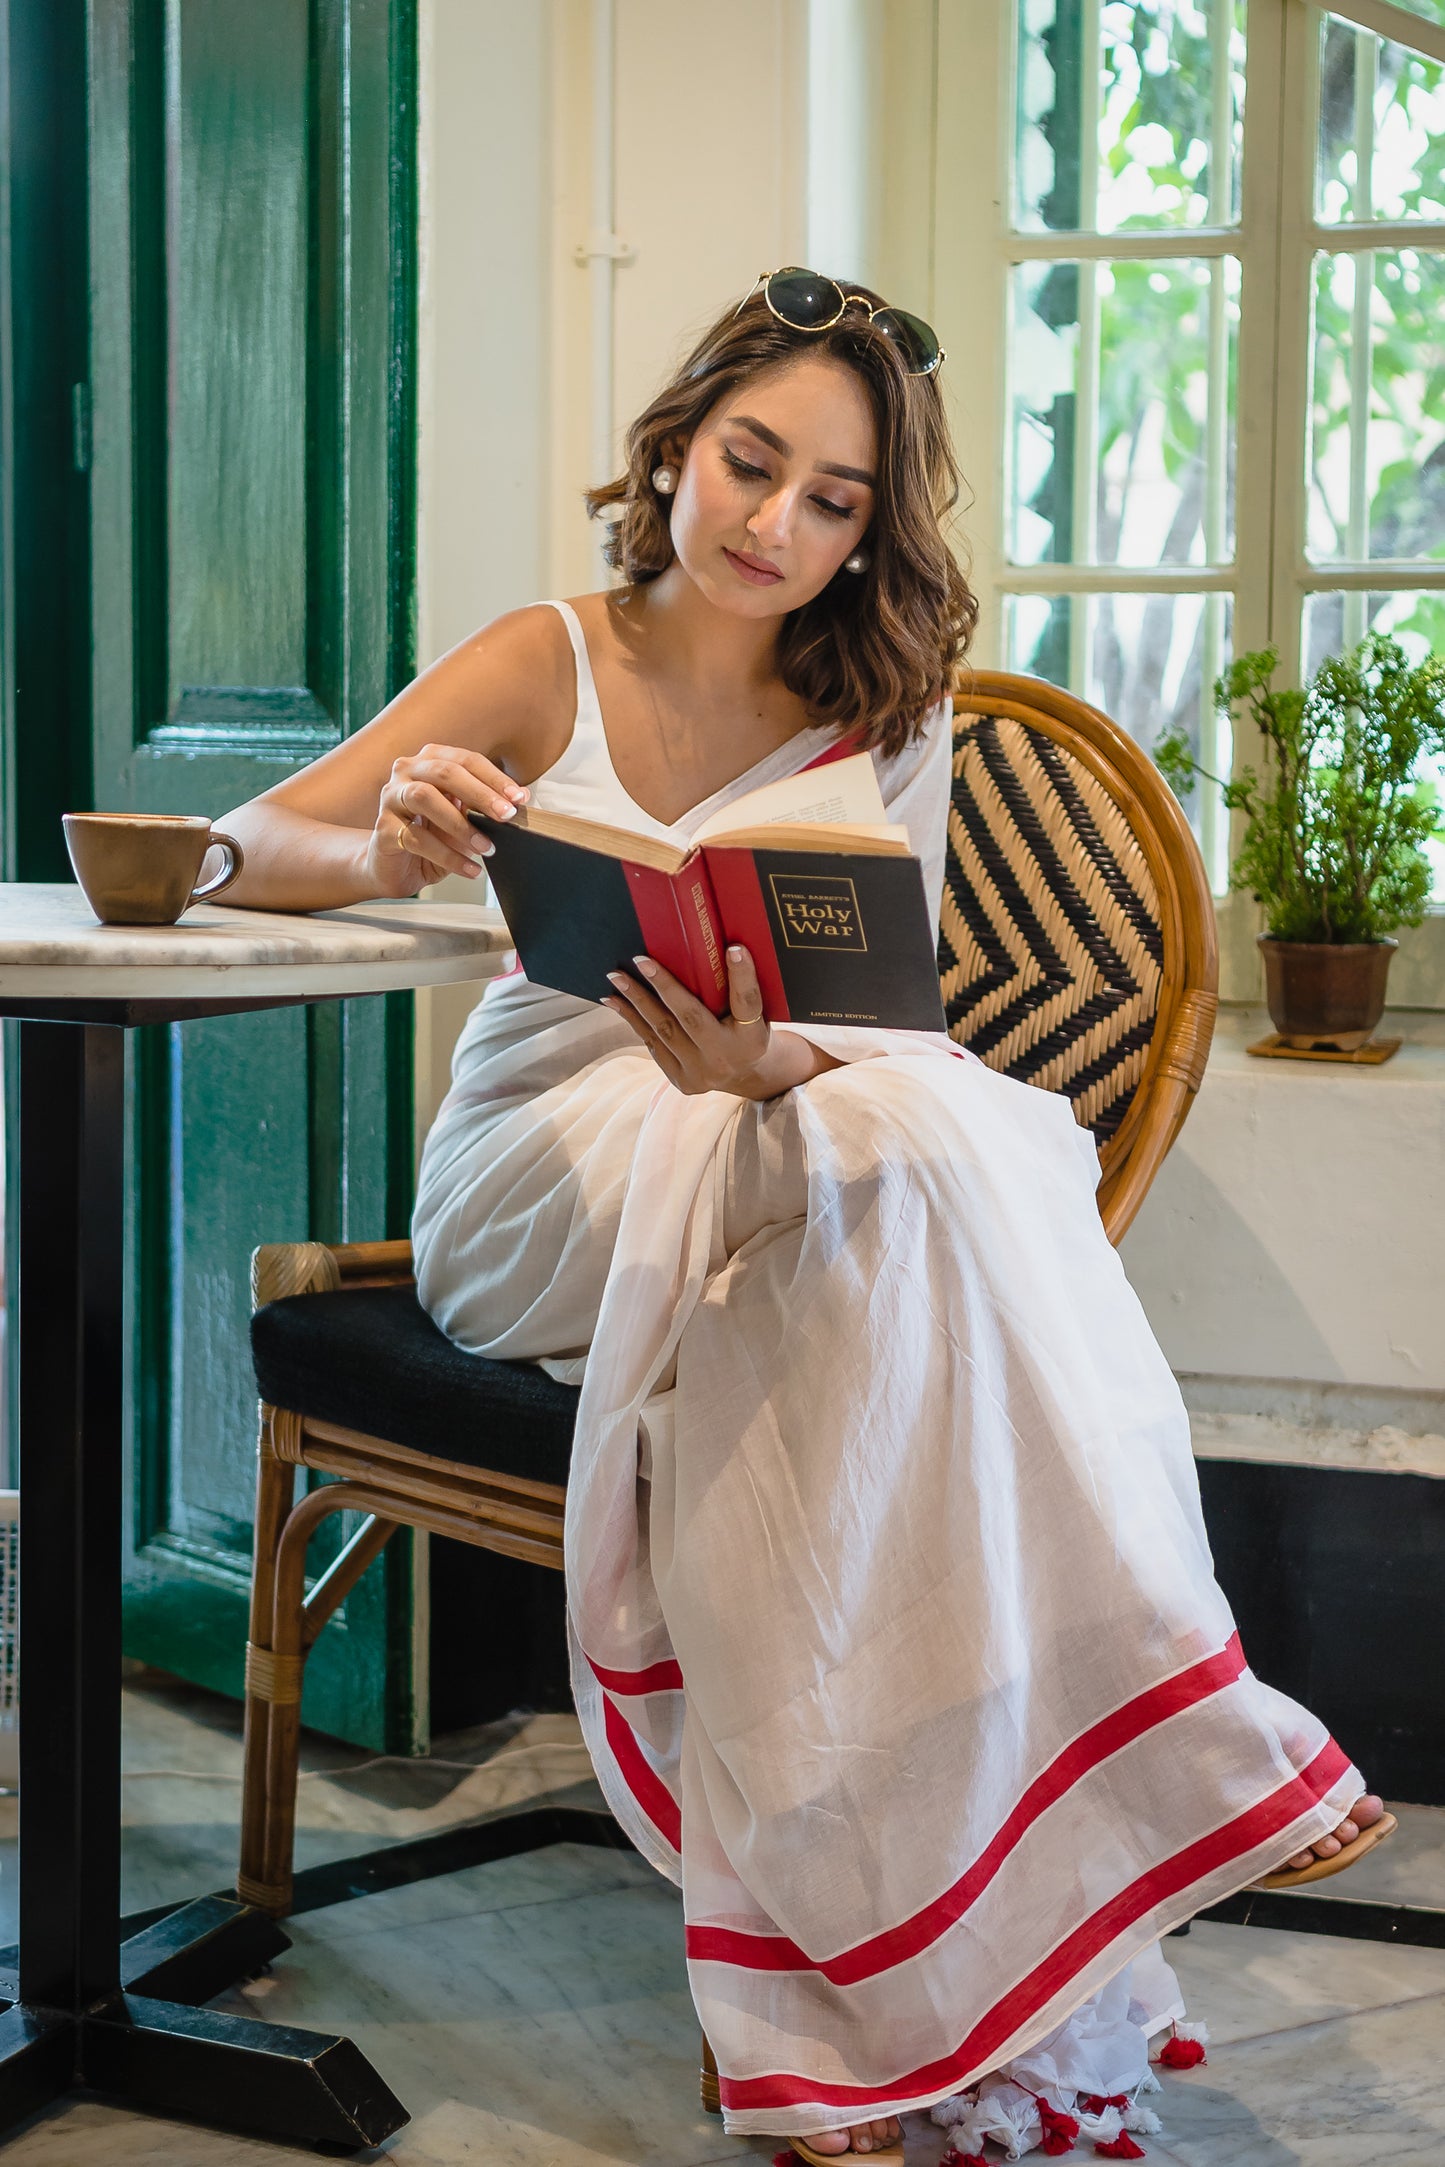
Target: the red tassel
pixel 784 2159
pixel 1182 2054
pixel 1123 2147
pixel 1096 2102
pixel 963 2159
pixel 1059 2130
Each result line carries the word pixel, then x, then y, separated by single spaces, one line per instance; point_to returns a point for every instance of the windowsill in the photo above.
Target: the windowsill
pixel 1421 1060
pixel 1281 1442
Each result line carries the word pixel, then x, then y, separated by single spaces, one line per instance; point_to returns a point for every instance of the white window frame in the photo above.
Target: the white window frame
pixel 1275 241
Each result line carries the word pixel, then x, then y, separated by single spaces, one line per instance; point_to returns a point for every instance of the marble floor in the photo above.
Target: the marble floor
pixel 534 2012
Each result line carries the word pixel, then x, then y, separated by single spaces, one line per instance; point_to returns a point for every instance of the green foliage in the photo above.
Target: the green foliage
pixel 1334 847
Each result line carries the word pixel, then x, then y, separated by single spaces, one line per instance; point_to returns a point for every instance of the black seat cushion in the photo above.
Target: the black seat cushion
pixel 370 1359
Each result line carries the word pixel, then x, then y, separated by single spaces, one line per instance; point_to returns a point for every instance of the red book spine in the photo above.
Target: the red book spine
pixel 744 918
pixel 680 928
pixel 702 928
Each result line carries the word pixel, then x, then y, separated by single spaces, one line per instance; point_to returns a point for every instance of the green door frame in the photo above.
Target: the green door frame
pixel 88 707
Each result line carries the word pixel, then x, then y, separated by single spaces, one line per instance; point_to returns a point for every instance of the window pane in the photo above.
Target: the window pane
pixel 1377 406
pixel 1432 10
pixel 1144 129
pixel 1334 622
pixel 1149 661
pixel 1122 403
pixel 1382 128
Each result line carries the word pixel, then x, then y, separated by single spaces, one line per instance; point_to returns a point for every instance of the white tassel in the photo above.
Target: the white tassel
pixel 1101 2128
pixel 945 2112
pixel 1192 2031
pixel 1142 2121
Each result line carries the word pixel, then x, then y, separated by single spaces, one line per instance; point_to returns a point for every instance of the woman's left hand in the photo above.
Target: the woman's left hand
pixel 697 1051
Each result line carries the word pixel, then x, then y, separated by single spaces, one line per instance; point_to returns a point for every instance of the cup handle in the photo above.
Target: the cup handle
pixel 235 859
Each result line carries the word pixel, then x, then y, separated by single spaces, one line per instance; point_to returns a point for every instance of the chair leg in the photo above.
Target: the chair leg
pixel 275 1671
pixel 275 1491
pixel 708 2079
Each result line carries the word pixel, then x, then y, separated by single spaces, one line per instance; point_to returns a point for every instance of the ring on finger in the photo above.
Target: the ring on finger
pixel 749 1019
pixel 401 835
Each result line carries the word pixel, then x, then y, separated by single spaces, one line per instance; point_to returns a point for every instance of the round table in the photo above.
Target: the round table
pixel 83 2008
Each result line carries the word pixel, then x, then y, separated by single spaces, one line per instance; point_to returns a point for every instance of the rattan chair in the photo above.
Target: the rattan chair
pixel 1076 951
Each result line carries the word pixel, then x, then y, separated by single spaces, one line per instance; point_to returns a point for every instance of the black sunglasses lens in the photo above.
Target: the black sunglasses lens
pixel 915 340
pixel 804 299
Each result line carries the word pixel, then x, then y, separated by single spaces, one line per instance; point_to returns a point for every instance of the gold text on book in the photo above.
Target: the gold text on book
pixel 819 913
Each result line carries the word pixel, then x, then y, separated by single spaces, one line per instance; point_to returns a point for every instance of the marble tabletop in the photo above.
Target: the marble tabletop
pixel 53 948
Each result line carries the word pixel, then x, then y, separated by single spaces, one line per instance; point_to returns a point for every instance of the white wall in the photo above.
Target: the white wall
pixel 484 339
pixel 707 128
pixel 1296 1233
pixel 486 210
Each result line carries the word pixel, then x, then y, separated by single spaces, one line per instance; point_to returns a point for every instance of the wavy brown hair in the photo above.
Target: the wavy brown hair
pixel 876 650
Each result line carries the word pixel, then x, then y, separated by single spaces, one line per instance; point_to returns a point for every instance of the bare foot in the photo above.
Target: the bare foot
pixel 862 2137
pixel 1362 1814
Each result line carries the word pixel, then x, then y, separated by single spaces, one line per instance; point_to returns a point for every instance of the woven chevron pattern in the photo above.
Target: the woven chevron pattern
pixel 1050 951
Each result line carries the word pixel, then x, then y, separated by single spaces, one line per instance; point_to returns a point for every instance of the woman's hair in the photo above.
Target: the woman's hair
pixel 876 649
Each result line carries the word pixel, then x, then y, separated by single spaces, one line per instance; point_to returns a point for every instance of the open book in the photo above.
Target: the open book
pixel 808 874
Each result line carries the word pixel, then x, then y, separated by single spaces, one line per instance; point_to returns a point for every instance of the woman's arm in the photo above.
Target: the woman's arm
pixel 385 812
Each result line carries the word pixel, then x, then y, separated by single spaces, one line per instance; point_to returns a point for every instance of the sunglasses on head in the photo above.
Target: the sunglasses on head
pixel 810 301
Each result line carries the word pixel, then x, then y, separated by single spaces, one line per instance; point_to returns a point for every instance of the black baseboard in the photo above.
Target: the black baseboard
pixel 1335 1579
pixel 498 1637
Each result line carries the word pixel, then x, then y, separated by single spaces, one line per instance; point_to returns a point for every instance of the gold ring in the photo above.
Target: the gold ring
pixel 749 1019
pixel 401 835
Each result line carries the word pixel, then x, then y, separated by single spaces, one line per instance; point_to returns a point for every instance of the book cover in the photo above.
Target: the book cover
pixel 836 936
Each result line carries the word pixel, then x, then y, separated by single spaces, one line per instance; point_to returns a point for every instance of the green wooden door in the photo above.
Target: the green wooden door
pixel 250 444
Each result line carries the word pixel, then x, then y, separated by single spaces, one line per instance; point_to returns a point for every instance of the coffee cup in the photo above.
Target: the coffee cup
pixel 142 868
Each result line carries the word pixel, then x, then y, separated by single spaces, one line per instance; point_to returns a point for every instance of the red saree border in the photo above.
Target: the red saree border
pixel 663 1677
pixel 897 1944
pixel 648 1789
pixel 1007 2016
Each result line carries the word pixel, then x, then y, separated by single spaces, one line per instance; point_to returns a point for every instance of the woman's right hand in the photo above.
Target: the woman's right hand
pixel 422 831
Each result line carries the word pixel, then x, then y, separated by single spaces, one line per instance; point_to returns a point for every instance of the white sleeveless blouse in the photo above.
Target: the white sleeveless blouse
pixel 584 781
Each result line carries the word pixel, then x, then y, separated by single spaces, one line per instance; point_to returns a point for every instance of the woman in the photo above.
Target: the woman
pixel 895 1638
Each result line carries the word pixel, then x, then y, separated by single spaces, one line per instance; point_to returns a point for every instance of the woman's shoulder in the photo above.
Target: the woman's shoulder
pixel 525 657
pixel 537 640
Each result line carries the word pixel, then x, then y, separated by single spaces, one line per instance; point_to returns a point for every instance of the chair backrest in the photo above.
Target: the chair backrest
pixel 1077 944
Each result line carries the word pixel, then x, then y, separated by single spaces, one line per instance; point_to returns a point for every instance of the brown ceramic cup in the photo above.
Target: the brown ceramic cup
pixel 142 868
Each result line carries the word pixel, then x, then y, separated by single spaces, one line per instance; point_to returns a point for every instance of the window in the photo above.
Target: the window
pixel 1218 417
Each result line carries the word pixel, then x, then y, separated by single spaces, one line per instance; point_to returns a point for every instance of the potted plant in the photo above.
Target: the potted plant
pixel 1336 826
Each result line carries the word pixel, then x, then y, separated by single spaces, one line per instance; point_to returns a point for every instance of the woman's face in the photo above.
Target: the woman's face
pixel 776 488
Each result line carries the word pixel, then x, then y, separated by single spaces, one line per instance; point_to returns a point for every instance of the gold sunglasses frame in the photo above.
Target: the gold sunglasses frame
pixel 871 309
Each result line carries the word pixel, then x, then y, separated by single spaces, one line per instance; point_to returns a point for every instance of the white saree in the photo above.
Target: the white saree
pixel 895 1638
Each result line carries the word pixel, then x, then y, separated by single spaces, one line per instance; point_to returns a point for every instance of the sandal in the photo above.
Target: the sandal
pixel 1295 1877
pixel 891 2155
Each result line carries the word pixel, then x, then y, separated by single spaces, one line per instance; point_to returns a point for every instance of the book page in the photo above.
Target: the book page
pixel 845 790
pixel 880 839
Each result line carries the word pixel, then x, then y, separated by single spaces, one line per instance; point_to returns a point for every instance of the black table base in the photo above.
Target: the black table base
pixel 86 2011
pixel 151 2047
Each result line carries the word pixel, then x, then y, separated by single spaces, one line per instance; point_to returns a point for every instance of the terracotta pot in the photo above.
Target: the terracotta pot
pixel 1325 993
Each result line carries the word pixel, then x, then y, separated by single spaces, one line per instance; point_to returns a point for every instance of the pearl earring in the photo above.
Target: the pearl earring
pixel 664 480
pixel 858 562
